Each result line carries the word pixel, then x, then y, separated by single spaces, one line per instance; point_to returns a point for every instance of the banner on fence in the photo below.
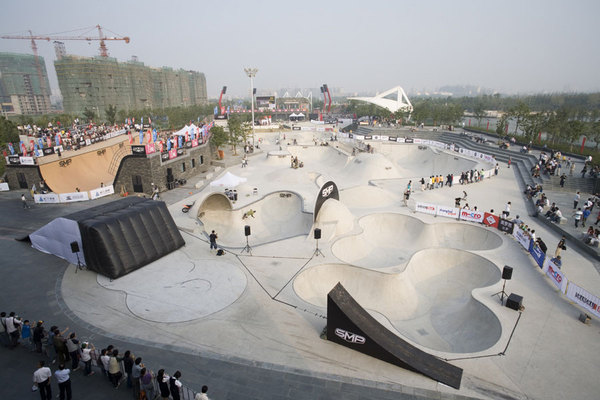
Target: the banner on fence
pixel 537 254
pixel 491 220
pixel 522 238
pixel 426 208
pixel 102 191
pixel 471 215
pixel 506 225
pixel 448 212
pixel 46 198
pixel 584 298
pixel 4 187
pixel 555 274
pixel 71 197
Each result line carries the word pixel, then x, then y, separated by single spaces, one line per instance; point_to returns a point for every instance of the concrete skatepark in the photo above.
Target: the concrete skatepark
pixel 430 281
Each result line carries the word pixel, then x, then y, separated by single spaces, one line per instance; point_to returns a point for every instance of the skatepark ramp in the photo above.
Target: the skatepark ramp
pixel 350 325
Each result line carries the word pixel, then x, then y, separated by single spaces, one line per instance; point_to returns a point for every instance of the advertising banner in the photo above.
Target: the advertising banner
pixel 383 137
pixel 555 274
pixel 409 140
pixel 537 254
pixel 138 151
pixel 376 137
pixel 164 156
pixel 179 151
pixel 172 154
pixel 584 298
pixel 295 128
pixel 418 141
pixel 58 148
pixel 359 137
pixel 26 161
pixel 46 198
pixel 328 191
pixel 426 208
pixel 506 226
pixel 522 238
pixel 194 142
pixel 491 220
pixel 3 187
pixel 448 212
pixel 71 197
pixel 48 150
pixel 102 191
pixel 13 160
pixel 150 148
pixel 471 215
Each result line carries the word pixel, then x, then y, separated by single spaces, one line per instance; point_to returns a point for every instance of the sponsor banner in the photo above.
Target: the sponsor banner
pixel 150 148
pixel 376 137
pixel 417 141
pixel 368 137
pixel 537 254
pixel 328 129
pixel 489 158
pixel 164 156
pixel 12 160
pixel 491 220
pixel 295 128
pixel 426 208
pixel 88 142
pixel 179 151
pixel 320 129
pixel 306 128
pixel 26 161
pixel 115 134
pixel 139 151
pixel 328 191
pixel 102 191
pixel 359 137
pixel 188 145
pixel 506 225
pixel 194 142
pixel 48 150
pixel 172 154
pixel 448 212
pixel 58 148
pixel 3 187
pixel 394 139
pixel 71 197
pixel 556 276
pixel 409 140
pixel 471 215
pixel 438 144
pixel 317 122
pixel 46 198
pixel 383 137
pixel 584 298
pixel 522 238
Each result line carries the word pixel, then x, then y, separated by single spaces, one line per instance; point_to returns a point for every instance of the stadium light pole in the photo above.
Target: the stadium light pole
pixel 251 72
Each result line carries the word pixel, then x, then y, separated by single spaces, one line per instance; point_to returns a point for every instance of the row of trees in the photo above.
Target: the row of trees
pixel 238 130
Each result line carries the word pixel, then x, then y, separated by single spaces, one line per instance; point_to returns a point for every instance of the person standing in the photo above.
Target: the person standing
pixel 24 201
pixel 12 328
pixel 561 246
pixel 506 211
pixel 163 384
pixel 146 384
pixel 578 215
pixel 202 395
pixel 72 344
pixel 563 178
pixel 38 336
pixel 128 366
pixel 213 240
pixel 576 200
pixel 86 357
pixel 41 377
pixel 175 386
pixel 136 375
pixel 63 378
pixel 509 162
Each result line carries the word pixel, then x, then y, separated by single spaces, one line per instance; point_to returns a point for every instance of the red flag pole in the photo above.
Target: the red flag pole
pixel 582 145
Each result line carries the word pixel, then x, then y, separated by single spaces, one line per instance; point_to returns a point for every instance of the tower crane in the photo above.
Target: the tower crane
pixel 101 37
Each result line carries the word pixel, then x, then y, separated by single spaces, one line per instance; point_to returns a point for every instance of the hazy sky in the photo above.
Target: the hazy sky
pixel 509 46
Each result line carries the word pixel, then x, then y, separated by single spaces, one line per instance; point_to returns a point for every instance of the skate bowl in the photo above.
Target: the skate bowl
pixel 431 303
pixel 368 196
pixel 277 216
pixel 390 240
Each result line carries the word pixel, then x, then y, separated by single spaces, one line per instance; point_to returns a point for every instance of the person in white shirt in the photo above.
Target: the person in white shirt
pixel 12 328
pixel 86 357
pixel 202 395
pixel 41 377
pixel 63 378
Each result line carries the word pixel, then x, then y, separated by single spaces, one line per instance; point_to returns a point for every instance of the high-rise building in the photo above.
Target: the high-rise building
pixel 95 83
pixel 24 85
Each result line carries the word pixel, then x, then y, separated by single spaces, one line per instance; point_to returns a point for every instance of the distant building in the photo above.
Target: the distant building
pixel 22 92
pixel 95 83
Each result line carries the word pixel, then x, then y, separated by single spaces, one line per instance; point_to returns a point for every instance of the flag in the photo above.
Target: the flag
pixel 169 144
pixel 41 143
pixel 11 148
pixel 150 120
pixel 180 140
pixel 130 137
pixel 142 122
pixel 154 135
pixel 216 110
pixel 141 136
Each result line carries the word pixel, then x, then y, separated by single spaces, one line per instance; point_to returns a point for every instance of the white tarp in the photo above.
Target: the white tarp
pixel 228 180
pixel 56 237
pixel 186 129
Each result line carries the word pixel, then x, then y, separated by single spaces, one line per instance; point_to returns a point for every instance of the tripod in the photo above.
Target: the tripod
pixel 247 249
pixel 501 293
pixel 317 251
pixel 79 265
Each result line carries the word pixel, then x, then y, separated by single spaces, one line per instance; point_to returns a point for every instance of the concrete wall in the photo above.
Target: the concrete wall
pixel 30 172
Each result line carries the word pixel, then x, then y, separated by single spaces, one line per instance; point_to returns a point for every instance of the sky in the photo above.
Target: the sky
pixel 510 46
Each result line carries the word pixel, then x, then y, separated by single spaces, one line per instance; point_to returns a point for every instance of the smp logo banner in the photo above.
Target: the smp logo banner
pixel 470 215
pixel 349 336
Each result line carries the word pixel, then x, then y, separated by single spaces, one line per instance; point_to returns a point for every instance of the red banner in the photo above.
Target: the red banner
pixel 491 220
pixel 150 148
pixel 172 154
pixel 195 143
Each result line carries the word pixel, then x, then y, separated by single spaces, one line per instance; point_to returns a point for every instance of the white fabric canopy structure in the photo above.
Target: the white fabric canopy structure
pixel 228 180
pixel 186 129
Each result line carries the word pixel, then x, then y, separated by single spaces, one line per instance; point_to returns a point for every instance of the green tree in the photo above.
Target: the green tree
pixel 533 124
pixel 218 136
pixel 89 115
pixel 238 132
pixel 519 113
pixel 111 114
pixel 501 125
pixel 574 131
pixel 479 112
pixel 8 132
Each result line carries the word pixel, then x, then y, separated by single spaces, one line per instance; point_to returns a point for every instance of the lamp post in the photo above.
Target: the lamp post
pixel 251 72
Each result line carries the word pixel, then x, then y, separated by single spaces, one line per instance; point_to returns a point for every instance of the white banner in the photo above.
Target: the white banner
pixel 418 141
pixel 26 161
pixel 3 187
pixel 46 198
pixel 471 215
pixel 584 298
pixel 555 274
pixel 449 212
pixel 383 137
pixel 71 197
pixel 426 208
pixel 317 122
pixel 522 237
pixel 320 129
pixel 400 140
pixel 359 137
pixel 102 191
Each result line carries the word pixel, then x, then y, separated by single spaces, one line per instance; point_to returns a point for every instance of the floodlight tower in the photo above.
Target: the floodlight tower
pixel 251 72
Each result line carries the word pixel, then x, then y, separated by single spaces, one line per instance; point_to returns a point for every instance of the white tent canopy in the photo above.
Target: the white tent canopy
pixel 186 129
pixel 301 115
pixel 228 180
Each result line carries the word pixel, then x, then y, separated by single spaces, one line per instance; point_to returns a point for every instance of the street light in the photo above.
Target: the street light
pixel 251 72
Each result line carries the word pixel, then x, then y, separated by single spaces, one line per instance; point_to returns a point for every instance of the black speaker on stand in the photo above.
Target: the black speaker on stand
pixel 317 236
pixel 506 275
pixel 247 233
pixel 75 249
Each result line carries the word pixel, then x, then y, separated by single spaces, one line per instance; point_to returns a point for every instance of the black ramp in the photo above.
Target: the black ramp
pixel 352 326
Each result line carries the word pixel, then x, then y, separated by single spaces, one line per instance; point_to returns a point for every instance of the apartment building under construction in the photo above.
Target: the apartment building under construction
pixel 95 83
pixel 24 85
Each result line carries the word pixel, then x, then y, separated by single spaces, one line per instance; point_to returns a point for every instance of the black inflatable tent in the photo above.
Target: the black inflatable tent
pixel 116 238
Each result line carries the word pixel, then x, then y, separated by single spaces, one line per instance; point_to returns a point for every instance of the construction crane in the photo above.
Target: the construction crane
pixel 101 37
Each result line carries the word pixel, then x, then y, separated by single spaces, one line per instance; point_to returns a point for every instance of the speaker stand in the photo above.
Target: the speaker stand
pixel 79 265
pixel 247 249
pixel 501 293
pixel 317 251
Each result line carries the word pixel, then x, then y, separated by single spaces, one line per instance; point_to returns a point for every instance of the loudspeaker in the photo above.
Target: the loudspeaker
pixel 507 272
pixel 514 301
pixel 317 233
pixel 247 230
pixel 74 247
pixel 224 90
pixel 254 91
pixel 322 89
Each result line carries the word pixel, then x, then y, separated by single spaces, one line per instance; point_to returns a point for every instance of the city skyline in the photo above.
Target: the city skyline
pixel 512 47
